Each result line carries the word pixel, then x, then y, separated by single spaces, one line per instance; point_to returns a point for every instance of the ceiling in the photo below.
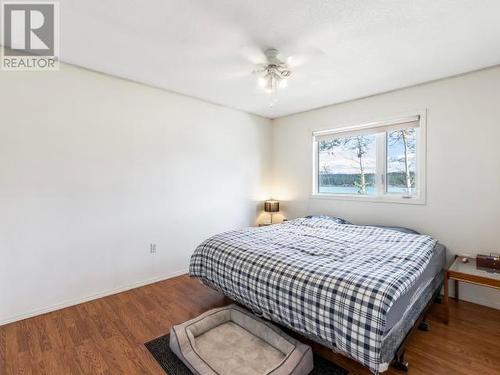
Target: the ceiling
pixel 346 49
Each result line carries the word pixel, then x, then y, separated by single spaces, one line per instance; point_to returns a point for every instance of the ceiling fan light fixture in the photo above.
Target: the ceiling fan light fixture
pixel 262 82
pixel 270 85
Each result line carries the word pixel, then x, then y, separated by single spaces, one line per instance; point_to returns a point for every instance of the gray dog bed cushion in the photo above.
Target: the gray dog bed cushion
pixel 230 340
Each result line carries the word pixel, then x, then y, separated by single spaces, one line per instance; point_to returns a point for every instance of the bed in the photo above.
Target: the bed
pixel 356 289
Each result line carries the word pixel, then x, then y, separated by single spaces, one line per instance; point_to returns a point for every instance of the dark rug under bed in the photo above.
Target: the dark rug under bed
pixel 172 365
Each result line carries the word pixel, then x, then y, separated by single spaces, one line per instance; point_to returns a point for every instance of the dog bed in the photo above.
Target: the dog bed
pixel 232 341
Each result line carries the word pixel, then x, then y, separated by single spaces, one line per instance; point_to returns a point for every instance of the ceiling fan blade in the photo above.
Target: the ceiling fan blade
pixel 252 54
pixel 301 51
pixel 305 56
pixel 235 75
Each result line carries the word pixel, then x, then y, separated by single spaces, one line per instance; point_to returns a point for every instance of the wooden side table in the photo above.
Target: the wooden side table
pixel 468 273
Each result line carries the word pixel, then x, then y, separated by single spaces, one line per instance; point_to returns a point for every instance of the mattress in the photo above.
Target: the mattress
pixel 405 301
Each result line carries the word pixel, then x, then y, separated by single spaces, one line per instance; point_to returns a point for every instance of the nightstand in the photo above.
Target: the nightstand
pixel 468 273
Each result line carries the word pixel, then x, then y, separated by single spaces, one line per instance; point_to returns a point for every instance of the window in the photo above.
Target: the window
pixel 381 161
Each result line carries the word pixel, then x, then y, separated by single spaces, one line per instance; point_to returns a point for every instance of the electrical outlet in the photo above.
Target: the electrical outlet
pixel 152 248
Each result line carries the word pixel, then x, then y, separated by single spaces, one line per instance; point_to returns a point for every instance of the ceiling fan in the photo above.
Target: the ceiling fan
pixel 273 74
pixel 274 69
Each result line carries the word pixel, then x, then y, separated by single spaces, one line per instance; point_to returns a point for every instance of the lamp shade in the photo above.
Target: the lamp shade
pixel 271 206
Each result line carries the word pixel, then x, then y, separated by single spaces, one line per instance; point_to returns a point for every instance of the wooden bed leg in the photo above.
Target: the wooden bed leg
pixel 399 362
pixel 423 325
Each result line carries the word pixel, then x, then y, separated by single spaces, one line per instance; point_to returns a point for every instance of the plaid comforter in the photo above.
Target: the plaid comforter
pixel 332 281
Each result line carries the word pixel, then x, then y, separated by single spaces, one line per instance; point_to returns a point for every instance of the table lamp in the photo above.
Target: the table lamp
pixel 271 206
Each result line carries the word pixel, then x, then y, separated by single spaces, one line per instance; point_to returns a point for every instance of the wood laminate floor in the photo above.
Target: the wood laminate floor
pixel 106 336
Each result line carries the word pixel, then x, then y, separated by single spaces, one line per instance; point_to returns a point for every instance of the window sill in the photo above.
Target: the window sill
pixel 374 199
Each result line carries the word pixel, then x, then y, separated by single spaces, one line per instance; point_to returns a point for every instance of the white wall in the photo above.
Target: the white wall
pixel 93 169
pixel 463 165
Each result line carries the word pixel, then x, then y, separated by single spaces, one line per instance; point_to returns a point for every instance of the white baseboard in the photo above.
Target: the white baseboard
pixel 479 295
pixel 77 301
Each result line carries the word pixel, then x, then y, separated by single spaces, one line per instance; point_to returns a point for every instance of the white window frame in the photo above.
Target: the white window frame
pixel 381 162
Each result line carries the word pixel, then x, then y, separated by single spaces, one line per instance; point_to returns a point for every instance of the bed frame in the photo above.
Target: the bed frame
pixel 421 324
